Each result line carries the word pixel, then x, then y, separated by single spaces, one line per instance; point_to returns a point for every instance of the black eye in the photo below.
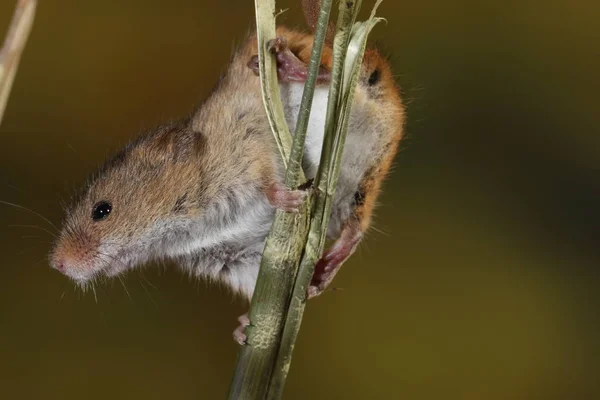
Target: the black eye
pixel 101 210
pixel 374 78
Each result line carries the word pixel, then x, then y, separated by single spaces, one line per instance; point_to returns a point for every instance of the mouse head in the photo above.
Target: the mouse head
pixel 376 74
pixel 133 206
pixel 377 79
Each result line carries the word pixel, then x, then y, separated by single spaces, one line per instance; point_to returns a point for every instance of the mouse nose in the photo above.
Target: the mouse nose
pixel 59 265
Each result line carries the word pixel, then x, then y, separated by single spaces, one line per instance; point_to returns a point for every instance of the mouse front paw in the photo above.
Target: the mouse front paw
pixel 285 199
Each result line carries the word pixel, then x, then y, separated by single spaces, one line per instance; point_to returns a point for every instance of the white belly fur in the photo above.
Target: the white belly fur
pixel 291 96
pixel 358 150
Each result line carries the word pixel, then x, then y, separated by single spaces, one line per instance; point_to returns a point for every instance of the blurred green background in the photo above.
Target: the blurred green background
pixel 480 282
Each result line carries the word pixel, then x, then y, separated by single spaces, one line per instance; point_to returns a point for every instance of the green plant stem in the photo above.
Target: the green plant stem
pixel 265 31
pixel 269 304
pixel 349 47
pixel 264 362
pixel 313 248
pixel 295 163
pixel 15 41
pixel 283 247
pixel 280 372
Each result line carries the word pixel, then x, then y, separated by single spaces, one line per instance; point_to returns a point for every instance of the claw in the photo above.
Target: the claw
pixel 277 45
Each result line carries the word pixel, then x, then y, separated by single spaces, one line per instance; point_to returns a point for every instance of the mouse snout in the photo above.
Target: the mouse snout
pixel 70 267
pixel 58 264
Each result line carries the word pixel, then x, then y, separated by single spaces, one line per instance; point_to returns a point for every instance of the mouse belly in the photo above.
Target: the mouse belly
pixel 358 150
pixel 228 263
pixel 291 97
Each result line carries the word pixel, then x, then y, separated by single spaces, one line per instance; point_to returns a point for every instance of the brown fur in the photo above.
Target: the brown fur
pixel 215 168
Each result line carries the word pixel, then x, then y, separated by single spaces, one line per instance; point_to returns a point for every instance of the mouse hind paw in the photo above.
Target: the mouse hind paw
pixel 238 334
pixel 289 67
pixel 333 259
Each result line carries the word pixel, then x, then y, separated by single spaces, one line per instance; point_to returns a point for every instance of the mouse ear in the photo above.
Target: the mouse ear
pixel 311 12
pixel 311 9
pixel 173 142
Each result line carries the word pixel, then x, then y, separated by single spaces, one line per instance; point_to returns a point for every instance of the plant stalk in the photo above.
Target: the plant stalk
pixel 263 363
pixel 284 245
pixel 295 163
pixel 15 41
pixel 349 47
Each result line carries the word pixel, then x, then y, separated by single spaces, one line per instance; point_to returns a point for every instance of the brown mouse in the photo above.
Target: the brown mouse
pixel 202 190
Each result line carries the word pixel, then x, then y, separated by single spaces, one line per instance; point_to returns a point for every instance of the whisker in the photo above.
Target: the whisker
pixel 104 291
pixel 41 260
pixel 147 281
pixel 25 251
pixel 384 233
pixel 16 188
pixel 30 210
pixel 94 290
pixel 35 227
pixel 124 287
pixel 61 296
pixel 149 295
pixel 111 258
pixel 71 147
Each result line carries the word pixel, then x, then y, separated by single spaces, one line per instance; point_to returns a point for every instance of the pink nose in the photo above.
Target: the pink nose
pixel 59 265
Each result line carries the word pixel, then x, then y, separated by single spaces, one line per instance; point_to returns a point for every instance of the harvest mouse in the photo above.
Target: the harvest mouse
pixel 202 191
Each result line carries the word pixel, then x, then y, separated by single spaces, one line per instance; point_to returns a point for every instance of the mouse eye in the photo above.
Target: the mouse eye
pixel 101 210
pixel 374 77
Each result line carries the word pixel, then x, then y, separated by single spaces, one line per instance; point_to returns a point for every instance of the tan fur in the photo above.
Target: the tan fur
pixel 194 190
pixel 223 154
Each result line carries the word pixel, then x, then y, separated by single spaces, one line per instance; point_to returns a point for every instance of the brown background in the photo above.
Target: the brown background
pixel 480 282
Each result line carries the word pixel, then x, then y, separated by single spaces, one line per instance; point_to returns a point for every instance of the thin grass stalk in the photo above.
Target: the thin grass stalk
pixel 283 247
pixel 295 163
pixel 288 236
pixel 265 31
pixel 15 41
pixel 349 49
pixel 313 248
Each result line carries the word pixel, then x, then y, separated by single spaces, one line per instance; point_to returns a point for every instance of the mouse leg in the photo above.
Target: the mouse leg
pixel 330 263
pixel 238 334
pixel 284 199
pixel 289 67
pixel 354 227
